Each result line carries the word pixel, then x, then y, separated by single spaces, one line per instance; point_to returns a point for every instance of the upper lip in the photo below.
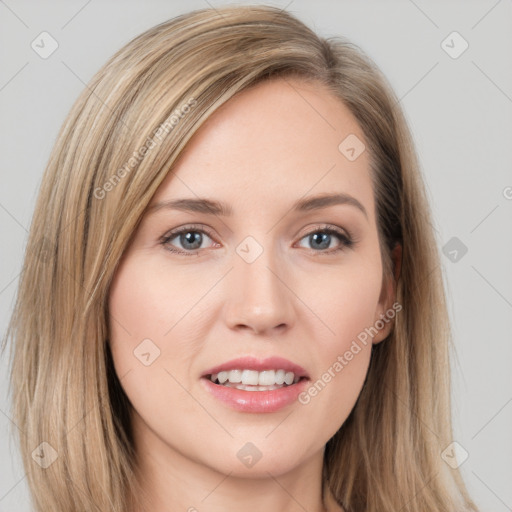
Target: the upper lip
pixel 252 363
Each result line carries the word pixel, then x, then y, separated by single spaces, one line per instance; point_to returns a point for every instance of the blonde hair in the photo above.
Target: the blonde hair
pixel 155 93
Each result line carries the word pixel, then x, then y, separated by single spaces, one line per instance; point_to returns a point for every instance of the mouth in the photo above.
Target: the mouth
pixel 253 380
pixel 248 384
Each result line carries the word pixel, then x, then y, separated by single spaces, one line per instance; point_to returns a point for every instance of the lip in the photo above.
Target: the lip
pixel 256 401
pixel 252 363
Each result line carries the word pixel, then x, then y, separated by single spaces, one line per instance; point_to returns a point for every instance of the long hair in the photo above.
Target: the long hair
pixel 116 146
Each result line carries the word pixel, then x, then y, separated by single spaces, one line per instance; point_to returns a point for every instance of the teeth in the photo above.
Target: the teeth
pixel 235 376
pixel 250 377
pixel 267 378
pixel 252 380
pixel 251 388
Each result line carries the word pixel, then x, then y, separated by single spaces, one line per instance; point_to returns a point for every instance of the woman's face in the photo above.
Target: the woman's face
pixel 261 280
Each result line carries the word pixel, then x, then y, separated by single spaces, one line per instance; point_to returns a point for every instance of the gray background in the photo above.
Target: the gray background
pixel 459 110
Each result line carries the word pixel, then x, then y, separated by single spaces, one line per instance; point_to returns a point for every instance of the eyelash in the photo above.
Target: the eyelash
pixel 346 240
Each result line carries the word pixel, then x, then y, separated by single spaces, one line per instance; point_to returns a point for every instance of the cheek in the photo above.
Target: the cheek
pixel 345 301
pixel 146 304
pixel 145 315
pixel 137 324
pixel 140 300
pixel 346 305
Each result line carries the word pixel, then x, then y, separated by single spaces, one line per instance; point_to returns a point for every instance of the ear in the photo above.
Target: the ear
pixel 383 321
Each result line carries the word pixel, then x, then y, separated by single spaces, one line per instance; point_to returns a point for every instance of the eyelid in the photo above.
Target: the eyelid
pixel 323 226
pixel 347 240
pixel 187 227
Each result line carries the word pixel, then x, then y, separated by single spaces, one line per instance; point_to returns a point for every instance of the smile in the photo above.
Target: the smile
pixel 252 380
pixel 251 385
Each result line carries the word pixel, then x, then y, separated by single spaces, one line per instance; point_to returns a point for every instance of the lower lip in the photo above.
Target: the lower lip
pixel 255 401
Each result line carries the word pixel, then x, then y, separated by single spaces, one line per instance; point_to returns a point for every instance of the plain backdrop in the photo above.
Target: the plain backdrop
pixel 458 102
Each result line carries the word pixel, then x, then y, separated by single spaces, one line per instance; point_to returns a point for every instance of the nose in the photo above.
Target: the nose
pixel 258 296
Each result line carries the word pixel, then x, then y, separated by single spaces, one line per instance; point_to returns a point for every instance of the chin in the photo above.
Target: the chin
pixel 259 458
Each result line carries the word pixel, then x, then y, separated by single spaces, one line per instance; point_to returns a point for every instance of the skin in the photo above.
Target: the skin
pixel 273 144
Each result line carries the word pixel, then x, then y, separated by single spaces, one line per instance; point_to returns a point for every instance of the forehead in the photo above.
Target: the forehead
pixel 272 144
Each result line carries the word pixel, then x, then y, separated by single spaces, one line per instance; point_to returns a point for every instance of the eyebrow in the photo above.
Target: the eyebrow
pixel 214 207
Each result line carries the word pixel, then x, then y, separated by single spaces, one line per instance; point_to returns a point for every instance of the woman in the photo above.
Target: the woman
pixel 231 296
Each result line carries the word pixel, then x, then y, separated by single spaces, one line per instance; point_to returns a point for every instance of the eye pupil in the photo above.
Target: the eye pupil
pixel 324 236
pixel 189 236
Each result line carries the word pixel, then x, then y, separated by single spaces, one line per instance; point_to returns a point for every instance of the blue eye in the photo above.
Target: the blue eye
pixel 322 238
pixel 191 238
